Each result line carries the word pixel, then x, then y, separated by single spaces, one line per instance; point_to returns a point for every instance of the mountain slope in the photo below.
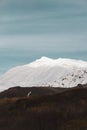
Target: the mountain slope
pixel 62 111
pixel 35 91
pixel 46 72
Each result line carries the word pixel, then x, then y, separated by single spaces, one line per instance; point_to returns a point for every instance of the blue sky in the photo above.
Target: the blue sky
pixel 30 29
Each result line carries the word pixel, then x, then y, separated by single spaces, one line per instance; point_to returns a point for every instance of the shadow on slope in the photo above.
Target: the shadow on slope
pixel 35 91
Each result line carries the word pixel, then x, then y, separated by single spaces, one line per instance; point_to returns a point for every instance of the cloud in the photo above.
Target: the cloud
pixel 63 28
pixel 48 43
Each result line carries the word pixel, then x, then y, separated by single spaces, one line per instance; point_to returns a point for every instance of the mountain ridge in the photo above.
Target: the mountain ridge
pixel 35 91
pixel 45 71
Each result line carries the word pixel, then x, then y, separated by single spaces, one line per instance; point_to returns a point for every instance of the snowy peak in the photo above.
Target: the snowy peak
pixel 45 59
pixel 45 71
pixel 63 62
pixel 41 62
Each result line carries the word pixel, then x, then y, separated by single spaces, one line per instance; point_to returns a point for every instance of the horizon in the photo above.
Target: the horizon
pixel 32 29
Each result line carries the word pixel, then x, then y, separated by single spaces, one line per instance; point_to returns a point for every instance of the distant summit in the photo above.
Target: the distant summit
pixel 45 71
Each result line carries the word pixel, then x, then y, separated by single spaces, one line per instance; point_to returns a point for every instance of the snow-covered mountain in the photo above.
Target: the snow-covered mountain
pixel 46 72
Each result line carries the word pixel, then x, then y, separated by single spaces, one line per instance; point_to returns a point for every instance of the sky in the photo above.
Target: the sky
pixel 30 29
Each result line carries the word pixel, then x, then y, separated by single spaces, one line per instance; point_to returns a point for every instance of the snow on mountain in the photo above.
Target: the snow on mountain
pixel 46 72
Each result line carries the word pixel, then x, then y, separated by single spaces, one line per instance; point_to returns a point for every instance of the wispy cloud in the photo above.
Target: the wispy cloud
pixel 48 16
pixel 59 43
pixel 44 23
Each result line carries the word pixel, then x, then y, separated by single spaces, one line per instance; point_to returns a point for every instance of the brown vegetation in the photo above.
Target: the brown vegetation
pixel 65 110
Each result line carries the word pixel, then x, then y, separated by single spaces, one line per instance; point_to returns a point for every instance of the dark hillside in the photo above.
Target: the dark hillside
pixel 35 91
pixel 57 111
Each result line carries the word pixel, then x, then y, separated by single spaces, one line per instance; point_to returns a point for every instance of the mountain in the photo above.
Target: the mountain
pixel 19 92
pixel 35 91
pixel 46 72
pixel 59 111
